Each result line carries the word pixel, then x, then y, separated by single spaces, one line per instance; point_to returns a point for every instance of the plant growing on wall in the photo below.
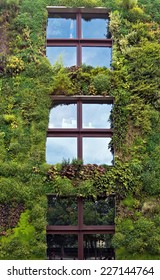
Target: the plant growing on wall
pixel 26 81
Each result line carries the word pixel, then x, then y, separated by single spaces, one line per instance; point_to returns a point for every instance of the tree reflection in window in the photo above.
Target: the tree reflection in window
pixel 62 247
pixel 80 227
pixel 100 211
pixel 62 211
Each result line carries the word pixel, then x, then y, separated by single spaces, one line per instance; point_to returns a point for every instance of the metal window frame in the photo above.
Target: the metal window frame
pixel 80 230
pixel 80 132
pixel 78 42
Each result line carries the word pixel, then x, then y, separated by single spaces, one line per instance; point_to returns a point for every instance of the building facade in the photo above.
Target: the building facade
pixel 79 134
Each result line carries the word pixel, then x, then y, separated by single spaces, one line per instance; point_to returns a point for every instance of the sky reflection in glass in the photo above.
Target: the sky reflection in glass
pixel 94 27
pixel 96 115
pixel 95 150
pixel 60 148
pixel 61 26
pixel 97 56
pixel 63 116
pixel 67 54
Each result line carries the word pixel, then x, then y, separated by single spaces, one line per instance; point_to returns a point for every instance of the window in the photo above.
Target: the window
pixel 79 36
pixel 80 228
pixel 79 127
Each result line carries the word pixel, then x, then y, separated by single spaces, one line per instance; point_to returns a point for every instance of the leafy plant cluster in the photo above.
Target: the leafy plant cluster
pixel 91 179
pixel 9 216
pixel 84 80
pixel 21 241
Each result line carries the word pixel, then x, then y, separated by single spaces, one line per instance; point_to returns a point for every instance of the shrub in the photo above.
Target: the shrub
pixel 101 83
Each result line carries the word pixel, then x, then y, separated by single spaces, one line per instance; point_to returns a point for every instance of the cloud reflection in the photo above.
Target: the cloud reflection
pixel 94 28
pixel 61 27
pixel 95 150
pixel 63 116
pixel 60 148
pixel 68 55
pixel 96 115
pixel 97 56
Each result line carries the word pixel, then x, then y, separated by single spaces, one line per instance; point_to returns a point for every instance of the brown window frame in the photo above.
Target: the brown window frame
pixel 80 132
pixel 80 229
pixel 79 42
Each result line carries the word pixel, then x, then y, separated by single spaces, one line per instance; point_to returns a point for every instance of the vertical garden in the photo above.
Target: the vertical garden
pixel 26 82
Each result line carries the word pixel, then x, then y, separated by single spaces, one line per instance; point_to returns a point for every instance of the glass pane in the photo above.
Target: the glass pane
pixel 98 247
pixel 61 26
pixel 95 150
pixel 66 54
pixel 100 211
pixel 96 56
pixel 62 247
pixel 62 211
pixel 63 116
pixel 95 26
pixel 96 115
pixel 60 148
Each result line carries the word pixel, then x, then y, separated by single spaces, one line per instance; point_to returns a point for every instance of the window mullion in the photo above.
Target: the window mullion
pixel 79 26
pixel 79 127
pixel 79 54
pixel 80 246
pixel 79 36
pixel 80 227
pixel 79 147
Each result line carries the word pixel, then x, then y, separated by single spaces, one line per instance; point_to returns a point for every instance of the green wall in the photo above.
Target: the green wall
pixel 26 81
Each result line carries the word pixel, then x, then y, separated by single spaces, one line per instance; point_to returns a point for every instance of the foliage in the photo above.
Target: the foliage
pixel 92 179
pixel 9 3
pixel 75 3
pixel 151 174
pixel 62 83
pixel 81 80
pixel 26 82
pixel 128 4
pixel 152 8
pixel 14 65
pixel 101 83
pixel 20 243
pixel 136 236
